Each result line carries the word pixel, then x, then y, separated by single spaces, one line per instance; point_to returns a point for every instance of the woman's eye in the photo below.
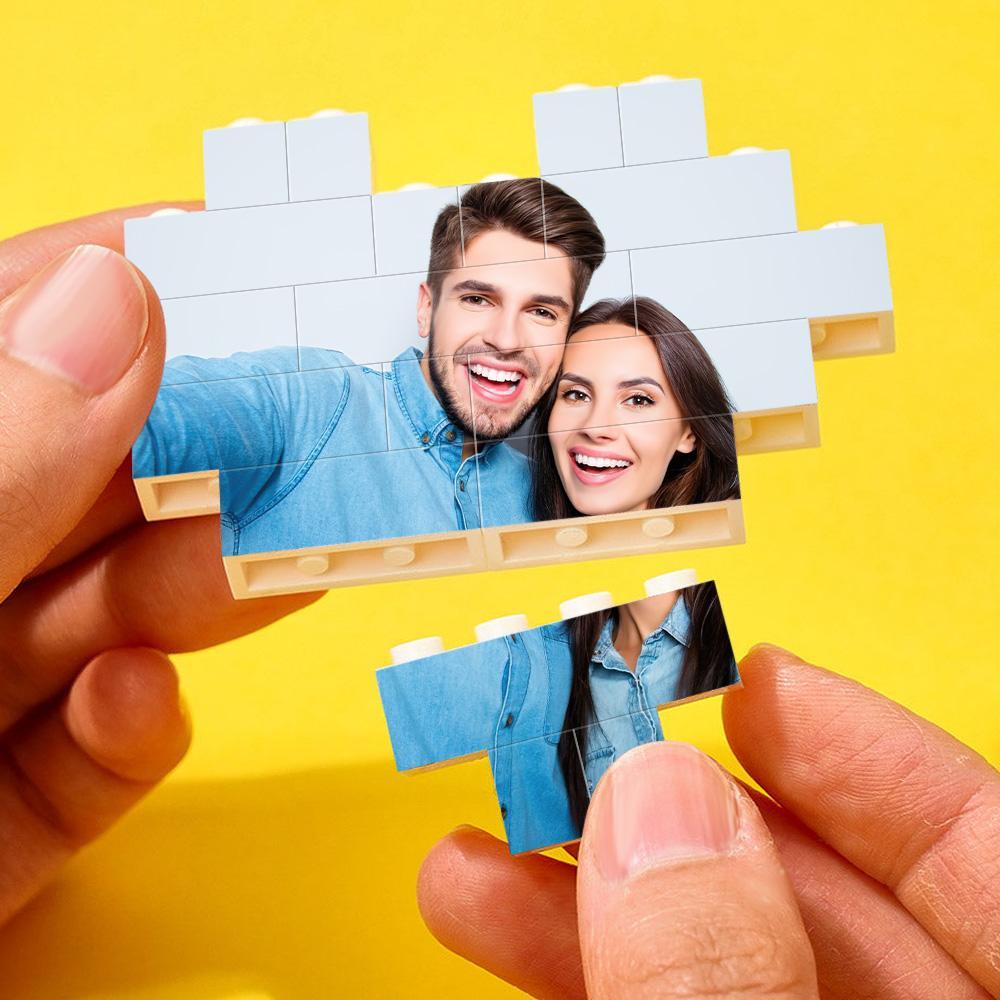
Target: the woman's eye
pixel 639 399
pixel 574 396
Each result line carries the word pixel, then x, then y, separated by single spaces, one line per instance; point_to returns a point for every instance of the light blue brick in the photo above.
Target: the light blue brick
pixel 662 120
pixel 329 156
pixel 577 130
pixel 245 165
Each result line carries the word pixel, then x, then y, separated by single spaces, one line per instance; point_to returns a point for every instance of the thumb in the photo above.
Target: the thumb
pixel 81 349
pixel 680 891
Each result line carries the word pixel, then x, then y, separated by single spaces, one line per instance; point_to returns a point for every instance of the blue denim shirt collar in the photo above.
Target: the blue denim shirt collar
pixel 423 412
pixel 425 415
pixel 677 625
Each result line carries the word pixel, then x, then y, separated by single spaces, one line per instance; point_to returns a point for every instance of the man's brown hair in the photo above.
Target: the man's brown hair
pixel 528 207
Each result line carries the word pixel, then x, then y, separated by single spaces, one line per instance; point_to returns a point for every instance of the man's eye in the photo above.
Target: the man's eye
pixel 474 300
pixel 547 314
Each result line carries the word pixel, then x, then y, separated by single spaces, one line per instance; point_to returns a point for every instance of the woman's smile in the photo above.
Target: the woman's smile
pixel 596 468
pixel 615 424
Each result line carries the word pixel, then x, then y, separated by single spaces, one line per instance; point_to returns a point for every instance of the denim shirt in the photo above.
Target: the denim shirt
pixel 508 697
pixel 330 454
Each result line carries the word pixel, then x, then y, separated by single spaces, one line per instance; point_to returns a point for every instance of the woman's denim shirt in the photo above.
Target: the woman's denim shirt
pixel 507 697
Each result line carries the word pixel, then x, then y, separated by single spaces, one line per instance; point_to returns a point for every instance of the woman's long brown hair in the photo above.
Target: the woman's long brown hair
pixel 707 474
pixel 709 664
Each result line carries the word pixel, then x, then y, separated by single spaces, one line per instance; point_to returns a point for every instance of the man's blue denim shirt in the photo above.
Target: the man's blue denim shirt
pixel 508 697
pixel 332 453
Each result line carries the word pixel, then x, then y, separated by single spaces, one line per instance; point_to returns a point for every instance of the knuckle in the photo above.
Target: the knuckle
pixel 19 504
pixel 954 885
pixel 719 952
pixel 25 512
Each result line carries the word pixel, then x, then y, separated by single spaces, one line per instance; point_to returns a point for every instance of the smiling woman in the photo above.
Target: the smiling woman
pixel 637 419
pixel 554 706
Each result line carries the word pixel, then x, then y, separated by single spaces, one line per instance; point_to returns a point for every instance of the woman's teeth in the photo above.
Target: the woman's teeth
pixel 593 462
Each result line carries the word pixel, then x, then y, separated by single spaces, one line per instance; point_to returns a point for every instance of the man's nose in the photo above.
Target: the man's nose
pixel 504 333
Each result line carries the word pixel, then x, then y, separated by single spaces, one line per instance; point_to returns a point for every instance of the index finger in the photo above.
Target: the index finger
pixel 22 255
pixel 894 794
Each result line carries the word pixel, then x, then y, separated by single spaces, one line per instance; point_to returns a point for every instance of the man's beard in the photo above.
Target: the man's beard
pixel 459 410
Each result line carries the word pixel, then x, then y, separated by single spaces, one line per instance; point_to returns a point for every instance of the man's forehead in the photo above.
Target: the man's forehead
pixel 511 263
pixel 497 246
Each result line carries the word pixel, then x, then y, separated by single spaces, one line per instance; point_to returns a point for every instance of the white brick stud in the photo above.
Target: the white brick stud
pixel 669 582
pixel 496 628
pixel 416 649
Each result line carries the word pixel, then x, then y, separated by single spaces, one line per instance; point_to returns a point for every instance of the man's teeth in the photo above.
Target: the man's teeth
pixel 600 463
pixel 495 374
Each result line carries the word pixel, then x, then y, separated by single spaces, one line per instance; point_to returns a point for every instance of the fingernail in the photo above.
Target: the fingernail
pixel 83 318
pixel 662 802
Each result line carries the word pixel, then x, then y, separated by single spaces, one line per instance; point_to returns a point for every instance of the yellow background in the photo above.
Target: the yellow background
pixel 280 860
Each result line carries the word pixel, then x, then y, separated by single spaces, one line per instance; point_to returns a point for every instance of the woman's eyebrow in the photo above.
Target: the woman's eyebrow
pixel 626 384
pixel 642 380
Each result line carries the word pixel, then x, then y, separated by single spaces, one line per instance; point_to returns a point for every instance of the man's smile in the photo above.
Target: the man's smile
pixel 495 383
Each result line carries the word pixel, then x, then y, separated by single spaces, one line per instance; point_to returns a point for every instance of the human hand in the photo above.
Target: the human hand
pixel 872 871
pixel 90 716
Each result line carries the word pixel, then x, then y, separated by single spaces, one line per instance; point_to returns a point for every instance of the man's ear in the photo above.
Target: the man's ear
pixel 687 441
pixel 425 309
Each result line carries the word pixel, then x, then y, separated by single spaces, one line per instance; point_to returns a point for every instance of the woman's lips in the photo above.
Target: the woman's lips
pixel 591 476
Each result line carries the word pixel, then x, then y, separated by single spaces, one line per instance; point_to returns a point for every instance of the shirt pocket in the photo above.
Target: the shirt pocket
pixel 596 762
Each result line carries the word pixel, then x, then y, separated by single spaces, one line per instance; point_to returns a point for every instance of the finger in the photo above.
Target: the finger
pixel 161 584
pixel 680 890
pixel 69 773
pixel 81 355
pixel 116 508
pixel 23 255
pixel 514 917
pixel 866 944
pixel 895 795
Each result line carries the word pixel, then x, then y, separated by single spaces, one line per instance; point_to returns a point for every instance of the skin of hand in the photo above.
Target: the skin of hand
pixel 870 869
pixel 91 596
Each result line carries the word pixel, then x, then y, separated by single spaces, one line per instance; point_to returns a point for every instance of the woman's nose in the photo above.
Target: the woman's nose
pixel 602 418
pixel 600 431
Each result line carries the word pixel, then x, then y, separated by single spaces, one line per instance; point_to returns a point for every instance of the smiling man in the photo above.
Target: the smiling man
pixel 497 325
pixel 337 452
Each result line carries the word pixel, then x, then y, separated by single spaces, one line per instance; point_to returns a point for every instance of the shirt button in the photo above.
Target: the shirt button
pixel 509 721
pixel 425 438
pixel 450 436
pixel 503 812
pixel 461 485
